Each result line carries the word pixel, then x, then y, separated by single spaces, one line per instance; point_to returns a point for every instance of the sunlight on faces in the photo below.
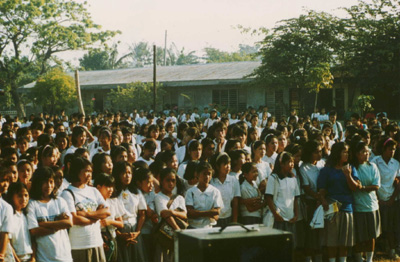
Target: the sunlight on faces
pixel 272 146
pixel 5 182
pixel 21 199
pixel 47 188
pixel 126 177
pixel 204 177
pixel 169 182
pixel 252 175
pixel 196 154
pixel 107 166
pixel 25 173
pixel 106 191
pixel 85 175
pixel 260 151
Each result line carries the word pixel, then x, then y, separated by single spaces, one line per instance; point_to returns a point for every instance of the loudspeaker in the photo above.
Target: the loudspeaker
pixel 256 243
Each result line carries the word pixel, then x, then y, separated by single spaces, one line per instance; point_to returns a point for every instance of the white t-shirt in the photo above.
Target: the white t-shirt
pixel 235 174
pixel 388 173
pixel 310 173
pixel 148 224
pixel 20 237
pixel 6 225
pixel 182 169
pixel 132 204
pixel 161 202
pixel 249 191
pixel 86 199
pixel 229 189
pixel 54 247
pixel 117 211
pixel 286 193
pixel 180 153
pixel 270 159
pixel 203 201
pixel 264 171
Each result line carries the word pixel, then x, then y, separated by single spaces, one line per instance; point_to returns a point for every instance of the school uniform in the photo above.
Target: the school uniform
pixel 6 226
pixel 284 201
pixel 249 190
pixel 340 230
pixel 132 204
pixel 148 226
pixel 264 171
pixel 203 201
pixel 20 237
pixel 366 207
pixel 56 246
pixel 388 173
pixel 270 159
pixel 86 241
pixel 229 189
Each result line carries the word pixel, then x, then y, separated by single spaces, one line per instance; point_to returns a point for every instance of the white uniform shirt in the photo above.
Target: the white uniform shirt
pixel 249 191
pixel 20 237
pixel 6 225
pixel 87 199
pixel 132 204
pixel 286 193
pixel 161 202
pixel 229 189
pixel 54 247
pixel 264 171
pixel 388 173
pixel 310 173
pixel 203 201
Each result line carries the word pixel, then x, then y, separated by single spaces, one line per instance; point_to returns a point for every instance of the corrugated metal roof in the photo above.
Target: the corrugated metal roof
pixel 184 73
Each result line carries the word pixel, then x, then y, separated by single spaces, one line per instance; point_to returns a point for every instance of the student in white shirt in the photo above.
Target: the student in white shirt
pixel 389 170
pixel 238 158
pixel 105 184
pixel 143 179
pixel 176 209
pixel 130 242
pixel 252 203
pixel 149 149
pixel 104 142
pixel 271 142
pixel 87 207
pixel 193 153
pixel 309 172
pixel 264 169
pixel 48 219
pixel 18 198
pixel 282 194
pixel 229 188
pixel 6 214
pixel 204 201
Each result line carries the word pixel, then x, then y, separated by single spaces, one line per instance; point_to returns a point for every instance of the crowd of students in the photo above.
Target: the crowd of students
pixel 97 188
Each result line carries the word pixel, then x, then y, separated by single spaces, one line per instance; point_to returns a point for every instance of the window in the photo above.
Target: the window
pixel 230 98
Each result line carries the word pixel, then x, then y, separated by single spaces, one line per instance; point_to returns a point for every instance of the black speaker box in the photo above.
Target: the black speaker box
pixel 257 244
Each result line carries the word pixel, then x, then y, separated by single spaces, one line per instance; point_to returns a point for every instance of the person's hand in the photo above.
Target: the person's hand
pixel 278 217
pixel 105 222
pixel 293 220
pixel 325 205
pixel 154 218
pixel 347 170
pixel 166 213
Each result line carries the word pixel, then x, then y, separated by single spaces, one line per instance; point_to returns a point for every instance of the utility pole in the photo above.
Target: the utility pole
pixel 154 77
pixel 165 49
pixel 78 92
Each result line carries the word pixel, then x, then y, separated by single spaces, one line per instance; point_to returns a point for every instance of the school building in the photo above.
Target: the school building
pixel 202 85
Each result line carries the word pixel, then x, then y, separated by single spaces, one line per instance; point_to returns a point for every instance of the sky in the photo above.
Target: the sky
pixel 195 25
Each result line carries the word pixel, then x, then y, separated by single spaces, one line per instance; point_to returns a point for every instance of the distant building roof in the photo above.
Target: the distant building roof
pixel 168 75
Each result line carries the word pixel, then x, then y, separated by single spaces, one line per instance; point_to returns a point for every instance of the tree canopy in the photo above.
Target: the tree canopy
pixel 54 90
pixel 33 31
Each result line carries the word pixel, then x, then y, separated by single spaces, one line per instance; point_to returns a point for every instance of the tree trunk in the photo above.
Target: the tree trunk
pixel 316 100
pixel 17 101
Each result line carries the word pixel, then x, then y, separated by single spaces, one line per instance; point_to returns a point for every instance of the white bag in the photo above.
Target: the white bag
pixel 268 217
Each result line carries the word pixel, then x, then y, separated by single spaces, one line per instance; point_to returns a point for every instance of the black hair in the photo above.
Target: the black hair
pixel 44 139
pixel 80 151
pixel 256 145
pixel 116 151
pixel 203 165
pixel 190 170
pixel 45 151
pixel 309 148
pixel 77 164
pixel 8 151
pixel 15 188
pixel 62 135
pixel 230 145
pixel 102 179
pixel 356 148
pixel 192 145
pixel 235 156
pixel 283 157
pixel 41 175
pixel 167 140
pixel 118 170
pixel 335 156
pixel 218 159
pixel 76 131
pixel 97 160
pixel 139 175
pixel 156 167
pixel 246 168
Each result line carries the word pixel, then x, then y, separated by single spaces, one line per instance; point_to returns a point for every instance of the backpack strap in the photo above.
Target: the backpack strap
pixel 171 200
pixel 72 193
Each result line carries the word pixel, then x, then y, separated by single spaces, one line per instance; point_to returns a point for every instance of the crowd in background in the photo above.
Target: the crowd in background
pixel 103 187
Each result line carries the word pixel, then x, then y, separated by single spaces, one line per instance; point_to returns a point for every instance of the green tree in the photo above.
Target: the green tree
pixel 137 94
pixel 54 90
pixel 104 58
pixel 214 55
pixel 370 50
pixel 295 48
pixel 32 32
